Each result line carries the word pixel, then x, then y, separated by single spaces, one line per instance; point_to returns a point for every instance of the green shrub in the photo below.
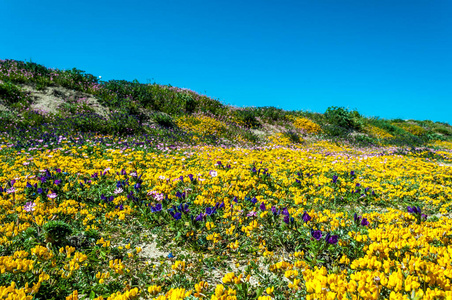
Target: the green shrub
pixel 188 102
pixel 12 94
pixel 342 117
pixel 334 130
pixel 247 117
pixel 163 120
pixel 270 114
pixel 433 136
pixel 364 140
pixel 57 231
pixel 293 136
pixel 250 136
pixel 212 106
pixel 92 234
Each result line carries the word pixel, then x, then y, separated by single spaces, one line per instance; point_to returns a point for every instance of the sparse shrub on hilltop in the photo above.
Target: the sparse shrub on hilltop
pixel 247 117
pixel 340 116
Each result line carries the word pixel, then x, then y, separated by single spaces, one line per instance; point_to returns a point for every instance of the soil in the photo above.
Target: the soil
pixel 50 98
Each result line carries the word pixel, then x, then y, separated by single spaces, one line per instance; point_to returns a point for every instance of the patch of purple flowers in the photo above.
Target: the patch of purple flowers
pixel 317 234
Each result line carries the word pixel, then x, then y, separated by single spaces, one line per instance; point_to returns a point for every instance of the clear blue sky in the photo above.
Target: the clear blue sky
pixel 391 59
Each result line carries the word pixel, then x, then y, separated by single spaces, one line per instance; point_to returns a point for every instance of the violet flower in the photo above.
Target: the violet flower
pixel 317 234
pixel 199 217
pixel 331 239
pixel 335 178
pixel 156 208
pixel 176 216
pixel 286 219
pixel 364 222
pixel 210 211
pixel 306 217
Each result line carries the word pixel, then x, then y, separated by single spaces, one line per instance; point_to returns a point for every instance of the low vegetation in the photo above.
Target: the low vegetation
pixel 168 194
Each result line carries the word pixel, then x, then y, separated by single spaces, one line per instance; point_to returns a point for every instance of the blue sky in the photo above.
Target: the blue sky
pixel 391 59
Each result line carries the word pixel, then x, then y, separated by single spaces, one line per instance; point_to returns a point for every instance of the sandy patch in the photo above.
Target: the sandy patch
pixel 51 98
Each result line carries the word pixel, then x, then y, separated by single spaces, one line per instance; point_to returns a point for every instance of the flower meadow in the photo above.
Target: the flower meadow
pixel 172 195
pixel 233 223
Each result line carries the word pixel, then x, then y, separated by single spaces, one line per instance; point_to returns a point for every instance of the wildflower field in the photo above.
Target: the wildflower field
pixel 106 211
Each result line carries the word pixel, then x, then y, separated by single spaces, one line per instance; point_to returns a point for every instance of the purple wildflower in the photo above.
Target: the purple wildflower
pixel 210 211
pixel 156 208
pixel 335 178
pixel 176 216
pixel 364 222
pixel 356 218
pixel 199 217
pixel 331 239
pixel 317 234
pixel 286 219
pixel 306 217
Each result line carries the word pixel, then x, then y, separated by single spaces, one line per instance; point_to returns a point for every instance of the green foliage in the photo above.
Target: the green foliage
pixel 339 116
pixel 12 94
pixel 364 140
pixel 163 120
pixel 77 79
pixel 34 68
pixel 387 126
pixel 211 106
pixel 269 114
pixel 57 231
pixel 250 136
pixel 434 136
pixel 335 130
pixel 247 117
pixel 293 136
pixel 92 234
pixel 188 102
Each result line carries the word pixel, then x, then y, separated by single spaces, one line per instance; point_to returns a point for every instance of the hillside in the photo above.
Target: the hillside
pixel 121 190
pixel 74 102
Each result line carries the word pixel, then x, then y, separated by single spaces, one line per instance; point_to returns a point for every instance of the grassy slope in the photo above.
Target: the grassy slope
pixel 178 114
